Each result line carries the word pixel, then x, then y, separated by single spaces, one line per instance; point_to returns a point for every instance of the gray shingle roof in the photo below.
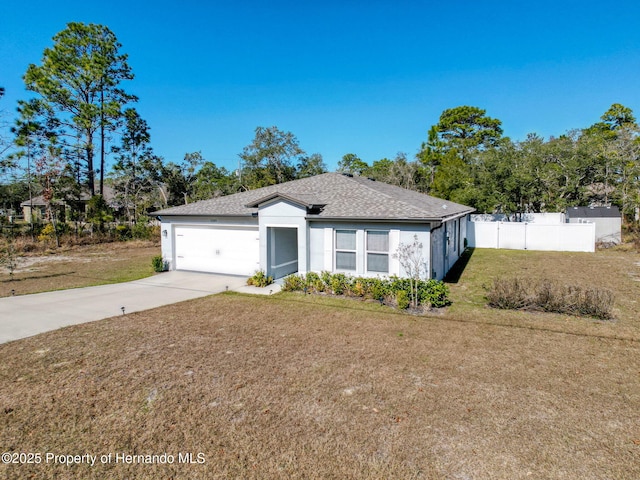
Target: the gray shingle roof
pixel 593 212
pixel 109 196
pixel 342 196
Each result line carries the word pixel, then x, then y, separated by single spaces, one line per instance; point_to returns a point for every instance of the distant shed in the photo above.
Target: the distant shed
pixel 608 221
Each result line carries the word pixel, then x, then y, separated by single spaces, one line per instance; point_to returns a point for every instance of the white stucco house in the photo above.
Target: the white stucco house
pixel 330 222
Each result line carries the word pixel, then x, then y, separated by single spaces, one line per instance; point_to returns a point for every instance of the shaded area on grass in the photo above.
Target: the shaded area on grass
pixel 454 274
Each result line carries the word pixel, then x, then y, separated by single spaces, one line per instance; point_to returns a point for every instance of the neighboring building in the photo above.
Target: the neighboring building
pixel 331 222
pixel 38 213
pixel 608 221
pixel 548 218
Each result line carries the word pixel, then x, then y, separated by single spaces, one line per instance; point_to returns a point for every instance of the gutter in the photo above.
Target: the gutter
pixel 433 220
pixel 253 214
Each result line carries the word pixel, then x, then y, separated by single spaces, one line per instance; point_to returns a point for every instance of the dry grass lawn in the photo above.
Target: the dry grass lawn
pixel 79 266
pixel 616 270
pixel 293 386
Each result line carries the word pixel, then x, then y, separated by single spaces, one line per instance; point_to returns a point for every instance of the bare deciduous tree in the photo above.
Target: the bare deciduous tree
pixel 414 264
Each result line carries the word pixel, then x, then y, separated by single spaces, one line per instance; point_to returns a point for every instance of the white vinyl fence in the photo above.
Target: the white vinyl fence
pixel 563 237
pixel 546 218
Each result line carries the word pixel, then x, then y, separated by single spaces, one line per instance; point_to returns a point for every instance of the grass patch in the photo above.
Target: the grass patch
pixel 79 266
pixel 616 271
pixel 294 386
pixel 310 386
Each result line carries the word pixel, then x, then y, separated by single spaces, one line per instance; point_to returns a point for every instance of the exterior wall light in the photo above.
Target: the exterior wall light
pixel 164 233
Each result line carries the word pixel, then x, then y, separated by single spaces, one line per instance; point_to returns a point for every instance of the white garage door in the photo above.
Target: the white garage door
pixel 233 251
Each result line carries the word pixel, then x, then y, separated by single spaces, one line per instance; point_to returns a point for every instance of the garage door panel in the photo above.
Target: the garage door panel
pixel 232 251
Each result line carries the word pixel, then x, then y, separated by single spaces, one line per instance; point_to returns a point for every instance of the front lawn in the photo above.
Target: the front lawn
pixel 295 386
pixel 307 386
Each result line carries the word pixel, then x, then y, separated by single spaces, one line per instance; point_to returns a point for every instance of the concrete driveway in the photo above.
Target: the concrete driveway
pixel 27 315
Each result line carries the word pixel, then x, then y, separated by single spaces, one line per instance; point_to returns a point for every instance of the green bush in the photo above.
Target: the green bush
pixel 402 299
pixel 326 280
pixel 294 283
pixel 157 263
pixel 431 293
pixel 338 283
pixel 314 283
pixel 123 232
pixel 260 279
pixel 62 228
pixel 142 231
pixel 378 289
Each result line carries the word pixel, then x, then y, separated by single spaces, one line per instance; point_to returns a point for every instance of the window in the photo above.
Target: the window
pixel 346 250
pixel 377 251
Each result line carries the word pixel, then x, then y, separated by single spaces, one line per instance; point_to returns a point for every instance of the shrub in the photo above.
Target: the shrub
pixel 8 258
pixel 548 296
pixel 402 299
pixel 158 263
pixel 294 283
pixel 326 280
pixel 509 294
pixel 378 289
pixel 433 293
pixel 47 233
pixel 123 232
pixel 260 279
pixel 597 302
pixel 142 231
pixel 358 288
pixel 339 283
pixel 314 283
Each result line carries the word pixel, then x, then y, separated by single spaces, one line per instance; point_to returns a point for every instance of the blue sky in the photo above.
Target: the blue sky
pixel 351 76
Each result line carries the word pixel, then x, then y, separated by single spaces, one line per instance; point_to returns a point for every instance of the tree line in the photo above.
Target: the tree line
pixel 467 159
pixel 81 114
pixel 80 133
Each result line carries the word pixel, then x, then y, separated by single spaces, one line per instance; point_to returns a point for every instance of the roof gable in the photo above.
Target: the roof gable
pixel 308 201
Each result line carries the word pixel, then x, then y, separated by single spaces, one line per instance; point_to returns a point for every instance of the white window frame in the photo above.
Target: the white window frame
pixel 376 252
pixel 344 250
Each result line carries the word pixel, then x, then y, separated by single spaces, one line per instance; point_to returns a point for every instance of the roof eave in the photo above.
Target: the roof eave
pixel 160 213
pixel 376 219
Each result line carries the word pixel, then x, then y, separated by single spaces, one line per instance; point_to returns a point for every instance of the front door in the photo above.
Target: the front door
pixel 282 251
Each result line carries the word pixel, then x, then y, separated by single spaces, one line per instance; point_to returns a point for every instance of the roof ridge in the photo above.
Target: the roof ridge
pixel 391 197
pixel 367 186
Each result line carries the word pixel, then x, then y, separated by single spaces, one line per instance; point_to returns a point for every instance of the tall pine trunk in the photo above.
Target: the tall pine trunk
pixel 90 170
